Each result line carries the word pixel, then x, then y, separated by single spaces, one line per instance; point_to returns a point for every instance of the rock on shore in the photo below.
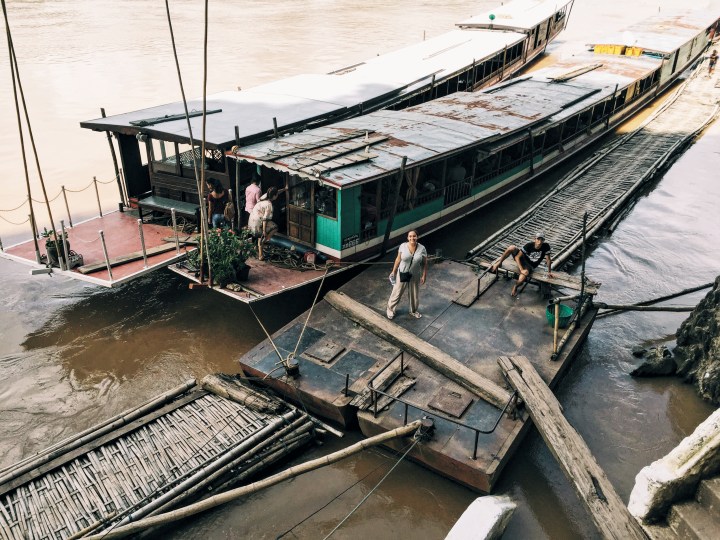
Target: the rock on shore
pixel 697 354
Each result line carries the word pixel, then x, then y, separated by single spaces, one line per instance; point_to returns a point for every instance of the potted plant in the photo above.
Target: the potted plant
pixel 51 246
pixel 228 252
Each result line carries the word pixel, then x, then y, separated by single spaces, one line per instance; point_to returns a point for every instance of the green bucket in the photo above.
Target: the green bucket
pixel 566 313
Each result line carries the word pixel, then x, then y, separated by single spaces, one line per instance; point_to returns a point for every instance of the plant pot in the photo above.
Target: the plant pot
pixel 242 273
pixel 52 253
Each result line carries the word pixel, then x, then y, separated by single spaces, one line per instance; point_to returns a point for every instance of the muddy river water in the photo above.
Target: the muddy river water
pixel 72 355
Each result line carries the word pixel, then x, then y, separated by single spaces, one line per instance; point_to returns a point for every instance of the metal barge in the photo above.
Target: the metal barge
pixel 156 162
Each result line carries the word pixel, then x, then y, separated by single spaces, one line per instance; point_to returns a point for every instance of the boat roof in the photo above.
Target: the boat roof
pixel 299 100
pixel 362 149
pixel 662 33
pixel 521 15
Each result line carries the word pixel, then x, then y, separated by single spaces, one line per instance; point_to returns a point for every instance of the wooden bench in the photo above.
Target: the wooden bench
pixel 153 201
pixel 165 205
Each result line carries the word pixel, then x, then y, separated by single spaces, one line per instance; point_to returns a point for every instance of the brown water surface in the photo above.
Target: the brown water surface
pixel 72 355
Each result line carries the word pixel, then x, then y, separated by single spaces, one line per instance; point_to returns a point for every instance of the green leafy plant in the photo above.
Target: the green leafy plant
pixel 228 252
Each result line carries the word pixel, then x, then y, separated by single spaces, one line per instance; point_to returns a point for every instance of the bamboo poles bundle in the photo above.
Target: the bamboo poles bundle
pixel 232 388
pixel 166 460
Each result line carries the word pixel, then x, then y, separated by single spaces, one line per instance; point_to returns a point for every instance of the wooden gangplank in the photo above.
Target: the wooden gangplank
pixel 592 485
pixel 161 458
pixel 604 183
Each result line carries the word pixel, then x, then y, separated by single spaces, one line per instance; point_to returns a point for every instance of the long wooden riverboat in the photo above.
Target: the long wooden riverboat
pixel 156 161
pixel 357 186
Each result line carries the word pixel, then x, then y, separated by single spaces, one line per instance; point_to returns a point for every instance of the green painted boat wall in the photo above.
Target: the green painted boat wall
pixel 330 232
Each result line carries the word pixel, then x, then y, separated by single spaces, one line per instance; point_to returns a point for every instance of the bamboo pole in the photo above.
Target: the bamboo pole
pixel 663 298
pixel 222 498
pixel 632 307
pixel 419 348
pixel 607 510
pixel 557 325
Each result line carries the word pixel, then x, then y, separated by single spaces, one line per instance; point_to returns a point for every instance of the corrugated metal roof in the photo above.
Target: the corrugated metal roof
pixel 522 15
pixel 662 33
pixel 300 99
pixel 422 133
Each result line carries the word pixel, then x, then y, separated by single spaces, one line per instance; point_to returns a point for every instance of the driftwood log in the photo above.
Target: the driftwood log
pixel 607 510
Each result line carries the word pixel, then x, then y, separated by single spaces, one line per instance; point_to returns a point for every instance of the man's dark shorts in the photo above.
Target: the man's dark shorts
pixel 526 262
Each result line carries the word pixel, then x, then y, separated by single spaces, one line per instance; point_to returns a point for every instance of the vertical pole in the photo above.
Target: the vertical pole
pixel 405 415
pixel 557 325
pixel 67 207
pixel 276 133
pixel 582 271
pixel 97 195
pixel 391 217
pixel 477 437
pixel 175 231
pixel 64 245
pixel 36 234
pixel 142 242
pixel 105 253
pixel 1 246
pixel 238 210
pixel 232 222
pixel 115 164
pixel 347 384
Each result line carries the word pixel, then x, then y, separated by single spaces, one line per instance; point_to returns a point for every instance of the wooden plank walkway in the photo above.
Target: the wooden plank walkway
pixel 606 181
pixel 152 463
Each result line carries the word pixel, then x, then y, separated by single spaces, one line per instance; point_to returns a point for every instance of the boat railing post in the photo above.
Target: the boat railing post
pixel 477 438
pixel 347 384
pixel 67 206
pixel 557 325
pixel 175 231
pixel 276 133
pixel 97 195
pixel 406 413
pixel 373 398
pixel 64 246
pixel 402 363
pixel 232 221
pixel 1 246
pixel 105 253
pixel 142 240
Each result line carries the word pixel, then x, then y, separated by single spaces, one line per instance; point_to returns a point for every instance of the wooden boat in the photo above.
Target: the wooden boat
pixel 480 52
pixel 357 186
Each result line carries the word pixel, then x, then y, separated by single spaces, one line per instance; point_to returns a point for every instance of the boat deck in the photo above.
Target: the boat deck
pixel 122 238
pixel 335 351
pixel 145 461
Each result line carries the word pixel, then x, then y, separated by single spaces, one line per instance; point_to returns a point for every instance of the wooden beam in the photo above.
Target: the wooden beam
pixel 608 511
pixel 130 257
pixel 419 348
pixel 561 279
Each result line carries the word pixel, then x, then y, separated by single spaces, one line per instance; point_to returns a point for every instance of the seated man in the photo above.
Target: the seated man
pixel 527 258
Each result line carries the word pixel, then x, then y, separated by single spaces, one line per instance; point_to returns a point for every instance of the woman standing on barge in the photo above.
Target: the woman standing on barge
pixel 409 272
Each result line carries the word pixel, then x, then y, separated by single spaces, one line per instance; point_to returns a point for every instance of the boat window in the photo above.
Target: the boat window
pixel 163 156
pixel 300 192
pixel 552 138
pixel 186 156
pixel 326 201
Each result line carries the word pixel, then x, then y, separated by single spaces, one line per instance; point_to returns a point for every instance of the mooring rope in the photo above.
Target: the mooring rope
pixel 365 498
pixel 307 320
pixel 336 497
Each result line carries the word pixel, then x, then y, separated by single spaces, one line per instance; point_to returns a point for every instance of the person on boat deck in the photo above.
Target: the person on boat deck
pixel 409 272
pixel 712 61
pixel 527 258
pixel 260 223
pixel 217 199
pixel 252 195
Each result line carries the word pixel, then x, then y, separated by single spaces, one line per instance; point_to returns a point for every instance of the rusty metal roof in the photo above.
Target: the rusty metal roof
pixel 520 15
pixel 662 33
pixel 421 133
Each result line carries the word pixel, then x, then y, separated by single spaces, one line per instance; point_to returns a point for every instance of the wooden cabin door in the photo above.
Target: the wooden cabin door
pixel 301 225
pixel 301 212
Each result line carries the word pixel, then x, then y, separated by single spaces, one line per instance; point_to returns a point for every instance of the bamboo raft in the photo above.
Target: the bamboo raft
pixel 605 183
pixel 149 459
